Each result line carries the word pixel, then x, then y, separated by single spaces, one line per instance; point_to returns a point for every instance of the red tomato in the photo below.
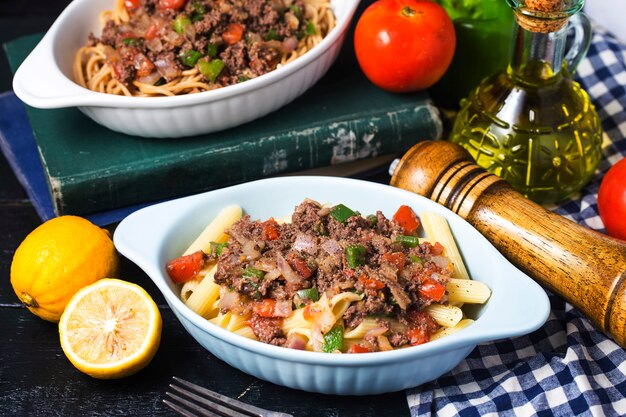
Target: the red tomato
pixel 417 336
pixel 404 45
pixel 300 265
pixel 264 308
pixel 612 200
pixel 358 349
pixel 132 4
pixel 437 249
pixel 432 289
pixel 171 4
pixel 371 283
pixel 422 326
pixel 270 230
pixel 185 268
pixel 396 258
pixel 407 219
pixel 233 33
pixel 151 32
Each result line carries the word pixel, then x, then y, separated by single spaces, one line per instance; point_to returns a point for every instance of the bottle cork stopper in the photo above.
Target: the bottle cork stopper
pixel 541 16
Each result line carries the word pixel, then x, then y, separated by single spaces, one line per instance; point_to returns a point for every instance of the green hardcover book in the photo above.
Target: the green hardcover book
pixel 342 118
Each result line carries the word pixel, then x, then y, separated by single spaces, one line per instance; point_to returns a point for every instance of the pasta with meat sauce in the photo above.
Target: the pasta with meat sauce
pixel 328 279
pixel 171 47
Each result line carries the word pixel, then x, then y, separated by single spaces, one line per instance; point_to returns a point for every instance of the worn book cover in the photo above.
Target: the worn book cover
pixel 342 118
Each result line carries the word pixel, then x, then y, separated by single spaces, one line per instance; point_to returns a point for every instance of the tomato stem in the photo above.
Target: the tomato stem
pixel 407 11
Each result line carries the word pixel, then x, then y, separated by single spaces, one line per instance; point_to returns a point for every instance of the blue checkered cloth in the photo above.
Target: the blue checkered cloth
pixel 566 367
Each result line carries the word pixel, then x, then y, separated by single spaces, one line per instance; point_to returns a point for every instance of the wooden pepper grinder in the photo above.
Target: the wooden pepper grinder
pixel 586 268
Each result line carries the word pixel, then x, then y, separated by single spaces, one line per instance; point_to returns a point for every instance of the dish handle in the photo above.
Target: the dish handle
pixel 40 83
pixel 518 306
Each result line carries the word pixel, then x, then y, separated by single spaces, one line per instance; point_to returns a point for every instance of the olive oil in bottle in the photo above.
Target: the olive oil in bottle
pixel 532 124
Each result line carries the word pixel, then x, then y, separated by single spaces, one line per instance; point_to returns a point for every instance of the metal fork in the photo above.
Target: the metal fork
pixel 211 404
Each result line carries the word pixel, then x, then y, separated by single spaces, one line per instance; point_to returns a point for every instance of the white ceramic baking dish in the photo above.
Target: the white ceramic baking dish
pixel 152 236
pixel 44 80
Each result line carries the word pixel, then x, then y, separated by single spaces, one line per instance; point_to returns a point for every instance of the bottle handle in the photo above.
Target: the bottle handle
pixel 582 39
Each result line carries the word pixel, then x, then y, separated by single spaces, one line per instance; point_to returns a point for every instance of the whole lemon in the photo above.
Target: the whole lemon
pixel 57 259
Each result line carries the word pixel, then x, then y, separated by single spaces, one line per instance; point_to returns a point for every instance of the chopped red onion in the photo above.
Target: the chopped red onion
pixel 332 247
pixel 288 273
pixel 305 243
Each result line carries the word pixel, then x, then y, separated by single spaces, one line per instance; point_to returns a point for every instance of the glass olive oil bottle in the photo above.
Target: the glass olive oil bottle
pixel 531 124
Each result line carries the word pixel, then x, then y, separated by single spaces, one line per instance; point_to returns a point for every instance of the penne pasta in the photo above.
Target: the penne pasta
pixel 284 219
pixel 447 331
pixel 467 291
pixel 340 303
pixel 348 343
pixel 296 321
pixel 229 321
pixel 361 330
pixel 213 310
pixel 214 232
pixel 246 331
pixel 188 288
pixel 447 316
pixel 438 230
pixel 205 294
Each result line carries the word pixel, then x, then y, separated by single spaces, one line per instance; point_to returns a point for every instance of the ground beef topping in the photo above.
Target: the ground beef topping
pixel 248 38
pixel 332 251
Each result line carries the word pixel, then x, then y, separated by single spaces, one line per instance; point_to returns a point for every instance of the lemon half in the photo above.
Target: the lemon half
pixel 110 329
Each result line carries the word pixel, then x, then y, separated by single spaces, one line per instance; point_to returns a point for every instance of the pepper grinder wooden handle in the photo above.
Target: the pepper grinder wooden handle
pixel 586 268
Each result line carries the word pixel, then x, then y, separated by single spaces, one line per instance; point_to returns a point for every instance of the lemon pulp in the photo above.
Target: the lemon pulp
pixel 110 329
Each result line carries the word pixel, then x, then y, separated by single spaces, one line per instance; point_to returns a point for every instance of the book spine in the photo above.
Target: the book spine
pixel 331 142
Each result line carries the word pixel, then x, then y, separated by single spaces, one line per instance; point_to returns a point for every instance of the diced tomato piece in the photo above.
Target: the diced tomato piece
pixel 143 65
pixel 185 268
pixel 437 249
pixel 348 272
pixel 396 258
pixel 300 265
pixel 432 289
pixel 270 230
pixel 265 307
pixel 151 32
pixel 422 326
pixel 126 35
pixel 233 33
pixel 310 312
pixel 358 349
pixel 171 4
pixel 371 283
pixel 417 336
pixel 132 4
pixel 407 219
pixel 422 318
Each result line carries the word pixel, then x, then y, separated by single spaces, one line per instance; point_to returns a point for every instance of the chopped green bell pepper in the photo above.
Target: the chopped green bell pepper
pixel 341 213
pixel 310 293
pixel 217 247
pixel 190 57
pixel 333 340
pixel 408 241
pixel 211 69
pixel 355 255
pixel 253 273
pixel 180 22
pixel 211 49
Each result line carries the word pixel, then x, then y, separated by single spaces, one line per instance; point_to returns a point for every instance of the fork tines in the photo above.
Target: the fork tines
pixel 200 401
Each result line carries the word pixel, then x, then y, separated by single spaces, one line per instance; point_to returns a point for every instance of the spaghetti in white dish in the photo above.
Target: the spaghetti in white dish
pixel 171 47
